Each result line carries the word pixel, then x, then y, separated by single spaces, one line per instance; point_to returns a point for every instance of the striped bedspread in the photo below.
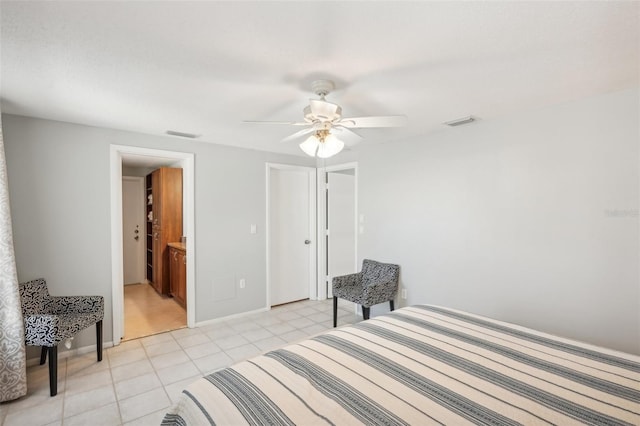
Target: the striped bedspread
pixel 421 365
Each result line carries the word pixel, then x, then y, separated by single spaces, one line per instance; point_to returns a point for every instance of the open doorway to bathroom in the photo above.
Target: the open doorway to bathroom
pixel 150 306
pixel 144 302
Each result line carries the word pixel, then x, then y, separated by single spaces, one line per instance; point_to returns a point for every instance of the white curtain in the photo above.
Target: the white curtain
pixel 13 366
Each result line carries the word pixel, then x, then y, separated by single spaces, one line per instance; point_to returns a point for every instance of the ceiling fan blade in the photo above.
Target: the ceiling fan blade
pixel 380 121
pixel 288 123
pixel 298 134
pixel 349 137
pixel 323 109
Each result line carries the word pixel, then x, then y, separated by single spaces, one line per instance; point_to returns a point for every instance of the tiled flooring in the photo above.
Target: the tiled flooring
pixel 146 312
pixel 138 380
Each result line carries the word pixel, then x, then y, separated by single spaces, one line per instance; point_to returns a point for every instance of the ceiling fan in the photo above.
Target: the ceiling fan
pixel 328 129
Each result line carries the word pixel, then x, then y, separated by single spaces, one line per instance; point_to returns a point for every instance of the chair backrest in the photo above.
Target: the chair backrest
pixel 373 271
pixel 34 296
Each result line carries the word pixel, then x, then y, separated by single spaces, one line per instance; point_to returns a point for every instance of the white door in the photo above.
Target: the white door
pixel 341 224
pixel 291 246
pixel 133 234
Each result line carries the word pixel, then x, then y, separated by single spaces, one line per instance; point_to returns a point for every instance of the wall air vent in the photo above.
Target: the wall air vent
pixel 182 134
pixel 460 121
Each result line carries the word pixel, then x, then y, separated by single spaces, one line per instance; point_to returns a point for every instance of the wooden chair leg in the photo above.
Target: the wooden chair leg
pixel 53 370
pixel 391 304
pixel 335 311
pixel 43 355
pixel 99 339
pixel 365 313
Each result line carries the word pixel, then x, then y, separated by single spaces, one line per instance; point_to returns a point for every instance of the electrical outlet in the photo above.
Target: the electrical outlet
pixel 404 293
pixel 242 282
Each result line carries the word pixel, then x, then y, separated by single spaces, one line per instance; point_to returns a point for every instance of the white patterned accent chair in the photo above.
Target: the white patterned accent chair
pixel 376 283
pixel 48 320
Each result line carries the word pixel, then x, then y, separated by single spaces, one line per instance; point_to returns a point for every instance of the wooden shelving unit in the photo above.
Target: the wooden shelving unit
pixel 149 227
pixel 164 223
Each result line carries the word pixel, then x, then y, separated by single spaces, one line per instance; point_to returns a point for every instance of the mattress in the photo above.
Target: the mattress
pixel 421 365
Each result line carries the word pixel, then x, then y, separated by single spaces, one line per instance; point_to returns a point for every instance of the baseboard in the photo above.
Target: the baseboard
pixel 231 317
pixel 72 352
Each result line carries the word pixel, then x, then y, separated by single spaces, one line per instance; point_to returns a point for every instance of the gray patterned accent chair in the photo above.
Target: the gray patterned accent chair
pixel 48 320
pixel 376 283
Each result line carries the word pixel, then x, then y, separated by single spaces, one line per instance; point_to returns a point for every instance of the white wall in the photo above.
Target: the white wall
pixel 60 195
pixel 531 219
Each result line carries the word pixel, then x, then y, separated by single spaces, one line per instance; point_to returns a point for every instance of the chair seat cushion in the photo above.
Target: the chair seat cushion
pixel 352 293
pixel 49 330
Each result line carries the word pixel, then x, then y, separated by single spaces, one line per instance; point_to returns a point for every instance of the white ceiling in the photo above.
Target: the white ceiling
pixel 204 67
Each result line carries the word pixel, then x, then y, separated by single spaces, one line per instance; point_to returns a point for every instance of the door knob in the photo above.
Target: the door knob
pixel 307 241
pixel 136 238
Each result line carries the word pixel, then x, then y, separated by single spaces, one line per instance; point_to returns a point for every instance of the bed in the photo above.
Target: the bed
pixel 421 365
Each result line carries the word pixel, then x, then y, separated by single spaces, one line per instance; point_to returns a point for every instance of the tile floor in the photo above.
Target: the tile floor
pixel 138 380
pixel 147 312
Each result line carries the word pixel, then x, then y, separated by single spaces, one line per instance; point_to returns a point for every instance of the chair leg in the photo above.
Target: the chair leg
pixel 391 305
pixel 99 339
pixel 335 311
pixel 43 355
pixel 365 313
pixel 53 370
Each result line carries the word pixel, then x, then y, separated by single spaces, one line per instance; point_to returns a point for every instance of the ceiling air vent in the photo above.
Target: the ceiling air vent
pixel 182 134
pixel 460 121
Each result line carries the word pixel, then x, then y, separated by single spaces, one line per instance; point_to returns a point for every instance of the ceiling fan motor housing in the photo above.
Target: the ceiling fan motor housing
pixel 333 114
pixel 322 87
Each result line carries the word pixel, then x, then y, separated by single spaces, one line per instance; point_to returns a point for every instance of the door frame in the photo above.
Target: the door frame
pixel 143 247
pixel 324 291
pixel 186 160
pixel 311 171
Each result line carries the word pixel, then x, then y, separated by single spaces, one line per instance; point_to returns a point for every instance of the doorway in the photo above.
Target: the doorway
pixel 124 157
pixel 338 225
pixel 291 246
pixel 146 312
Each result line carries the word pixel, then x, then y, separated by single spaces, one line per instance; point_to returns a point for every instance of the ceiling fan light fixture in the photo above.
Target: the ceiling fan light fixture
pixel 310 146
pixel 323 144
pixel 330 147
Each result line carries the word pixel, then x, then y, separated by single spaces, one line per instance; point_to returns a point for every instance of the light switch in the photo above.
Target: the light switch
pixel 254 229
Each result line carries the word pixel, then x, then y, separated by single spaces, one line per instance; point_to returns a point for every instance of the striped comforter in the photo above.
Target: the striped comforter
pixel 421 365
